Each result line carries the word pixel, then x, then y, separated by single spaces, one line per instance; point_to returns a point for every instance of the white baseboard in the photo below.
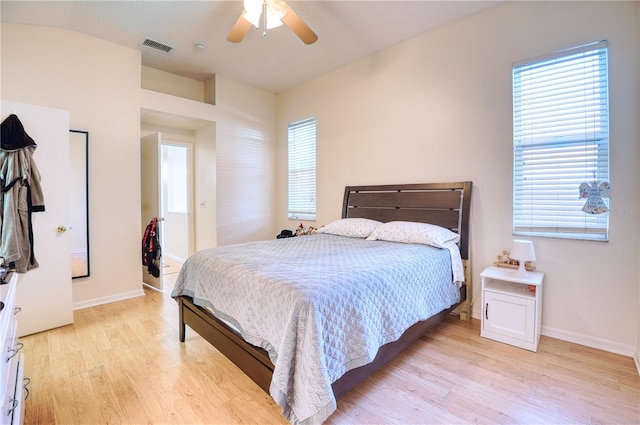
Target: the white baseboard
pixel 109 299
pixel 146 285
pixel 174 258
pixel 598 343
pixel 589 341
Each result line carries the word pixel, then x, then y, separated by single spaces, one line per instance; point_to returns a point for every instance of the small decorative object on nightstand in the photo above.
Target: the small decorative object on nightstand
pixel 512 307
pixel 523 252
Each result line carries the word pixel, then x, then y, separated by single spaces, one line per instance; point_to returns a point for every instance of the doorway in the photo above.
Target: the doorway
pixel 166 176
pixel 175 204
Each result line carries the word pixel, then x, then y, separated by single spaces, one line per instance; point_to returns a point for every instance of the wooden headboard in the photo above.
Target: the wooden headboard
pixel 444 204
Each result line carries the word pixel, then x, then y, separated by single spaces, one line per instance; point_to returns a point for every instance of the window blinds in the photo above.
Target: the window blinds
pixel 302 169
pixel 561 139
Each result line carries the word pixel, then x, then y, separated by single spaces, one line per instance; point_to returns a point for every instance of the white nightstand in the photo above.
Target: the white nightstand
pixel 512 307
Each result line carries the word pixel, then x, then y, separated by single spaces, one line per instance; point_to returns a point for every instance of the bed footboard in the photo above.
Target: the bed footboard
pixel 253 361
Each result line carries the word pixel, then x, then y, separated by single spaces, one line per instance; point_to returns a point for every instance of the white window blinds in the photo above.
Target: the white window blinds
pixel 561 139
pixel 302 169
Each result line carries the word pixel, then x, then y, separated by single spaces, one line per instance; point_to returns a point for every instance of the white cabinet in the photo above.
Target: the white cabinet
pixel 512 307
pixel 12 389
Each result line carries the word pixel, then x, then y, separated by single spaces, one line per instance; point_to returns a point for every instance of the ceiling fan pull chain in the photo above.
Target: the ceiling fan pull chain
pixel 264 18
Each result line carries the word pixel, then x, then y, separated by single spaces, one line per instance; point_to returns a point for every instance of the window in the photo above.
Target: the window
pixel 560 140
pixel 302 169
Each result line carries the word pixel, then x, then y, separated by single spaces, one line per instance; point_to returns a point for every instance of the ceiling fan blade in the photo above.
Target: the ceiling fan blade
pixel 297 25
pixel 239 30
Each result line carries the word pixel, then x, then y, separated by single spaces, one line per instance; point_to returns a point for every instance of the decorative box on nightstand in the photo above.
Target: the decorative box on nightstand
pixel 512 307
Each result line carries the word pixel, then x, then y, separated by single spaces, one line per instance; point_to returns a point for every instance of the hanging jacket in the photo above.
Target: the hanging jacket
pixel 21 195
pixel 151 250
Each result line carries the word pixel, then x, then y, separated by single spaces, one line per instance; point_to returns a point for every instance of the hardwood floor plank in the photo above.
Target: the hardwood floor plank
pixel 170 391
pixel 122 363
pixel 133 410
pixel 83 409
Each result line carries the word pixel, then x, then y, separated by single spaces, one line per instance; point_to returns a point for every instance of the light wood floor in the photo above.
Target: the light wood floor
pixel 170 266
pixel 121 363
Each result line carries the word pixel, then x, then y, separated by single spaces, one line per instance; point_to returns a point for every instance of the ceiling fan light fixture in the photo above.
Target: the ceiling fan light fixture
pixel 273 21
pixel 273 13
pixel 253 10
pixel 276 9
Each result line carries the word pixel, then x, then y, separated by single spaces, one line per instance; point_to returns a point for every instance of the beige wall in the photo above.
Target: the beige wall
pixel 201 134
pixel 239 191
pixel 204 187
pixel 99 84
pixel 246 146
pixel 438 108
pixel 176 85
pixel 637 354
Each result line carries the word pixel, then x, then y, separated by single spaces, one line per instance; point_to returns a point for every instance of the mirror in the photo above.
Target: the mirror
pixel 79 198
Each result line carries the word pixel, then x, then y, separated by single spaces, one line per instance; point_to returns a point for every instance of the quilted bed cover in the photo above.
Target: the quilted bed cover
pixel 320 305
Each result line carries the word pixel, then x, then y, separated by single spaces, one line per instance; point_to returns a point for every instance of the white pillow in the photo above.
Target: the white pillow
pixel 413 232
pixel 351 227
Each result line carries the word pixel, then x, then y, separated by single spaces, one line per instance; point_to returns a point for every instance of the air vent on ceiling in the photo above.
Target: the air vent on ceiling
pixel 156 45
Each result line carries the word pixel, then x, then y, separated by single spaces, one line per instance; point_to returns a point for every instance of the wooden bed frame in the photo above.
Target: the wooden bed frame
pixel 444 204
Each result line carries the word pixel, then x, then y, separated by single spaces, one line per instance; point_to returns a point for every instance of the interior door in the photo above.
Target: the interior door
pixel 176 201
pixel 150 168
pixel 45 294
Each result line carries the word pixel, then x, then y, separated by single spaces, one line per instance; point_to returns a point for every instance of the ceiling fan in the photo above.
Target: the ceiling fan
pixel 273 13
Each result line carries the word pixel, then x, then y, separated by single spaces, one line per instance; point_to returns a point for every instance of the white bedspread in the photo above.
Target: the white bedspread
pixel 320 305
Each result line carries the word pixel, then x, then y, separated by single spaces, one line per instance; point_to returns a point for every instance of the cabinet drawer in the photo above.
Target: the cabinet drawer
pixel 10 375
pixel 19 395
pixel 8 292
pixel 10 365
pixel 7 319
pixel 8 329
pixel 11 360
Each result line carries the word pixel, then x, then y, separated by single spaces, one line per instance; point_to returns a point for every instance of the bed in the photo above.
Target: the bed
pixel 326 345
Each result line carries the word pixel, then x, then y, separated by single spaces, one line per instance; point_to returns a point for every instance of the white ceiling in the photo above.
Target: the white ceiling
pixel 348 30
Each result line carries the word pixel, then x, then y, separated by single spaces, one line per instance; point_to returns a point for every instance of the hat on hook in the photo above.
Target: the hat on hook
pixel 13 136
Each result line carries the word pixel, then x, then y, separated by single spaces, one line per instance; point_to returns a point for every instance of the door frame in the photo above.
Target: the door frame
pixel 150 201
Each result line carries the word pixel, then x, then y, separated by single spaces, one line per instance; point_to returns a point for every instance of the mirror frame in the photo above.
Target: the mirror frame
pixel 84 138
